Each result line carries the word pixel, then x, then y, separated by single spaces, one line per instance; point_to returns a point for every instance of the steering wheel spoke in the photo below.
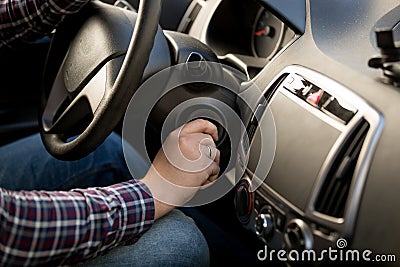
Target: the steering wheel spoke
pixel 63 116
pixel 104 66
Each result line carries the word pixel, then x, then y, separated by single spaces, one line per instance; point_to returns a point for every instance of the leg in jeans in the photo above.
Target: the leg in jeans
pixel 26 165
pixel 173 240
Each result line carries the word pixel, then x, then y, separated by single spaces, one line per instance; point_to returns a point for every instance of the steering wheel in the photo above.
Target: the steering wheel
pixel 97 77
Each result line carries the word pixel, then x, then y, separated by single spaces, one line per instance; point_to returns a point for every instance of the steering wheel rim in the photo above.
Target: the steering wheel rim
pixel 114 102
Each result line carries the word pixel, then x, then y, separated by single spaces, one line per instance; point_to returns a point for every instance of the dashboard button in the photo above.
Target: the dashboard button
pixel 264 223
pixel 290 80
pixel 315 98
pixel 340 110
pixel 298 236
pixel 295 84
pixel 318 98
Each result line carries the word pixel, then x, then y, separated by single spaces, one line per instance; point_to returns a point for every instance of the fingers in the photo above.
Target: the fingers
pixel 217 156
pixel 201 126
pixel 213 172
pixel 213 175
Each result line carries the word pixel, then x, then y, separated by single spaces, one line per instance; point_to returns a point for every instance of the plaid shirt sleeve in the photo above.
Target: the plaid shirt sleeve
pixel 61 228
pixel 29 20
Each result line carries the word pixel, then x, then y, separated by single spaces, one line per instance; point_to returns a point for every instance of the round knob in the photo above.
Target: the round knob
pixel 264 223
pixel 298 236
pixel 243 201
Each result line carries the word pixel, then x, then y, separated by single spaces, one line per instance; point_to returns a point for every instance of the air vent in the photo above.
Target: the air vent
pixel 187 22
pixel 251 130
pixel 262 106
pixel 335 190
pixel 124 4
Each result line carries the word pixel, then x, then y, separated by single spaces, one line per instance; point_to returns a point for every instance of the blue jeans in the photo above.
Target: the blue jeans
pixel 174 240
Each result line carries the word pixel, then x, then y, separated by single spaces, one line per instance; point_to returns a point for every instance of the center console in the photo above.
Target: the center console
pixel 313 176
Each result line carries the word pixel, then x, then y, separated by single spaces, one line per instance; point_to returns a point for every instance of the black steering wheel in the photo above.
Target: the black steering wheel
pixel 97 78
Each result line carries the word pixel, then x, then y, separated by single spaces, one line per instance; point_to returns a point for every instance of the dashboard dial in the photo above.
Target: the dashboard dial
pixel 267 34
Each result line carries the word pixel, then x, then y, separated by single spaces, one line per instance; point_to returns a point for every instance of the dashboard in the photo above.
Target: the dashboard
pixel 333 175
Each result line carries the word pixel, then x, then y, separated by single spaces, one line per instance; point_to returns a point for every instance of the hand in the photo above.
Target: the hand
pixel 189 157
pixel 183 165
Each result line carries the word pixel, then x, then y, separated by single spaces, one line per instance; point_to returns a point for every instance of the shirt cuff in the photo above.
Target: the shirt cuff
pixel 148 198
pixel 147 212
pixel 140 209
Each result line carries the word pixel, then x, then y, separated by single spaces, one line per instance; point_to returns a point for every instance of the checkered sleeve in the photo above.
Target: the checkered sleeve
pixel 62 228
pixel 29 20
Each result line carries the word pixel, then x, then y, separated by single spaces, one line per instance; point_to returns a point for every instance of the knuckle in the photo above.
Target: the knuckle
pixel 184 139
pixel 206 123
pixel 202 121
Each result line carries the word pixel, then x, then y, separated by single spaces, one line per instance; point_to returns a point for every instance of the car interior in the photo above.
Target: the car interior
pixel 315 85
